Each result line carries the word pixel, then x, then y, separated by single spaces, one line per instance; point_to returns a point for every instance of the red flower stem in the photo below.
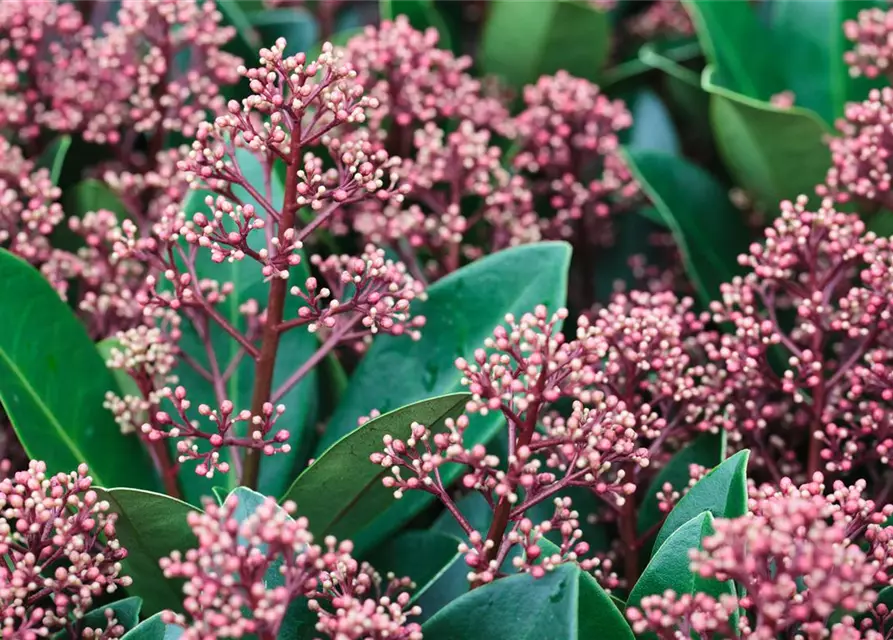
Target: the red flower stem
pixel 266 359
pixel 627 525
pixel 324 349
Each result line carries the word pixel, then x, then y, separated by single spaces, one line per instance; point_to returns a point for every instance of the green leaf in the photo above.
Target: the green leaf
pixel 53 384
pixel 524 40
pixel 341 491
pixel 670 567
pixel 421 14
pixel 462 310
pixel 295 348
pixel 562 604
pixel 53 157
pixel 708 450
pixel 127 613
pixel 93 195
pixel 423 556
pixel 296 25
pixel 774 153
pixel 722 492
pixel 653 128
pixel 150 526
pixel 814 44
pixel 154 628
pixel 709 231
pixel 235 13
pixel 729 32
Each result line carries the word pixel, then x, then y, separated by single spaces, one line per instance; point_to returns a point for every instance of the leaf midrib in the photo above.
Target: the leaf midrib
pixel 78 454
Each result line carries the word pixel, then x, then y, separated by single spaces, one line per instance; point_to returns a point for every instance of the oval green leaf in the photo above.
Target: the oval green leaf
pixel 423 556
pixel 727 32
pixel 814 45
pixel 524 40
pixel 127 613
pixel 722 492
pixel 774 153
pixel 707 450
pixel 670 568
pixel 150 526
pixel 709 231
pixel 53 384
pixel 154 628
pixel 562 604
pixel 341 491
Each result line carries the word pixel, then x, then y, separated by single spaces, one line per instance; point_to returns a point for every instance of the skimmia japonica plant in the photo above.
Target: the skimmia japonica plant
pixel 448 320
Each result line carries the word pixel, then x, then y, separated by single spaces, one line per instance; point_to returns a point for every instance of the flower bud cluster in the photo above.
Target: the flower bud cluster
pixel 227 425
pixel 59 551
pixel 811 310
pixel 247 570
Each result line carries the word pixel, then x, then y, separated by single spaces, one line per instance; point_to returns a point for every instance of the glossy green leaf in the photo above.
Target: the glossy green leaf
pixel 670 568
pixel 562 604
pixel 93 195
pixel 462 309
pixel 774 153
pixel 341 491
pixel 154 628
pixel 708 450
pixel 729 32
pixel 814 45
pixel 53 384
pixel 150 526
pixel 709 231
pixel 237 14
pixel 126 611
pixel 296 25
pixel 653 128
pixel 295 348
pixel 53 157
pixel 524 40
pixel 422 14
pixel 689 102
pixel 722 492
pixel 423 556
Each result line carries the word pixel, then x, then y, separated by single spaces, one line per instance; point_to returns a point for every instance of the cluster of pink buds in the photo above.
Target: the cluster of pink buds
pixel 800 555
pixel 27 29
pixel 58 552
pixel 28 208
pixel 872 53
pixel 415 82
pixel 155 66
pixel 297 108
pixel 365 295
pixel 672 617
pixel 353 603
pixel 567 130
pixel 814 307
pixel 627 373
pixel 436 220
pixel 797 556
pixel 226 423
pixel 662 18
pixel 861 156
pixel 246 572
pixel 149 359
